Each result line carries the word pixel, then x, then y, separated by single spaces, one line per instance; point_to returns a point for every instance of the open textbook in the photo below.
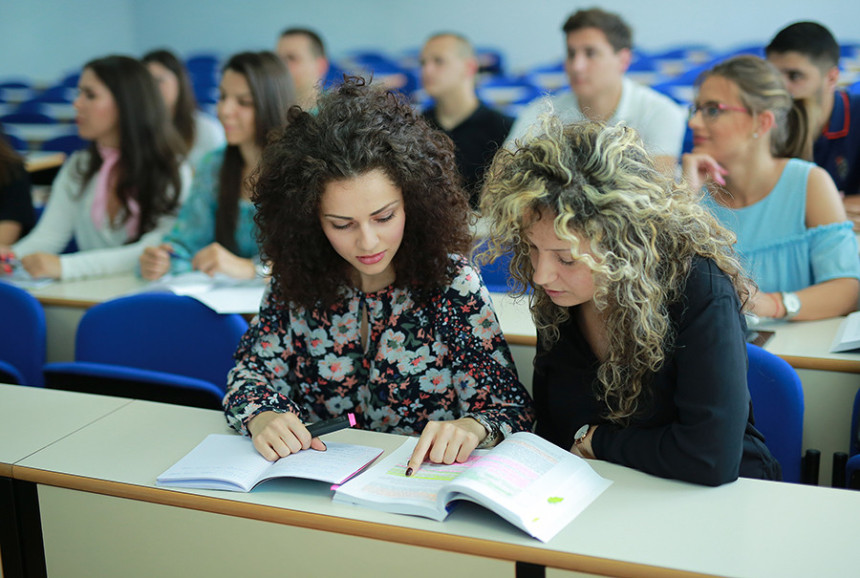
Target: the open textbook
pixel 848 335
pixel 528 481
pixel 220 293
pixel 230 462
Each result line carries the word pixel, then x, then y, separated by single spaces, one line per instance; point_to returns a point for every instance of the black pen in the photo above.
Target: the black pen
pixel 323 427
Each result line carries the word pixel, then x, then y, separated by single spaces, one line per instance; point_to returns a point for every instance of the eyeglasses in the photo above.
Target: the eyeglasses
pixel 711 111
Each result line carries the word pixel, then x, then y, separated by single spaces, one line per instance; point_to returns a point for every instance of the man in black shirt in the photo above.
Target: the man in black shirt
pixel 448 69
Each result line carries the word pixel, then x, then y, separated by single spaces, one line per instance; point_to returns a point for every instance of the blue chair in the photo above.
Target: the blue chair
pixel 496 275
pixel 71 80
pixel 777 399
pixel 846 466
pixel 155 346
pixel 501 91
pixel 852 470
pixel 22 341
pixel 16 142
pixel 66 144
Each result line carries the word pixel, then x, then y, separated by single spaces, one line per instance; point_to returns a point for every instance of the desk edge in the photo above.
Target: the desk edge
pixel 348 526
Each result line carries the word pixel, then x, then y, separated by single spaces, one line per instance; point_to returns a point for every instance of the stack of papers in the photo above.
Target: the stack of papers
pixel 220 293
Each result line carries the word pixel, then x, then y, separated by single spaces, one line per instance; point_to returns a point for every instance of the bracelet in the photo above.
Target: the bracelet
pixel 779 306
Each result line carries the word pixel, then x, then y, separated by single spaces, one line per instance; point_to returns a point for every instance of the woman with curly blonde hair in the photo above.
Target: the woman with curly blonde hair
pixel 373 309
pixel 637 297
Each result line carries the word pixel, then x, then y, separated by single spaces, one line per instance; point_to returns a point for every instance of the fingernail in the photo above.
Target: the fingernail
pixel 325 447
pixel 408 472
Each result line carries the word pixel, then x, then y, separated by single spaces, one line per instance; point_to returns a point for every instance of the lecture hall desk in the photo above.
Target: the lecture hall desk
pixel 101 514
pixel 829 380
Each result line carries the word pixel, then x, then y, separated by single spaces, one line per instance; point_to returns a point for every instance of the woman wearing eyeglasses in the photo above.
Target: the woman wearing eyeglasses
pixel 749 140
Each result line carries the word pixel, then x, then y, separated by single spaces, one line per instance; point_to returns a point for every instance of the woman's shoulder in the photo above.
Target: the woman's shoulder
pixel 706 279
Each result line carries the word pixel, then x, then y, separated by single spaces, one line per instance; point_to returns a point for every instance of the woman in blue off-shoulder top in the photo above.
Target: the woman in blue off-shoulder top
pixel 791 227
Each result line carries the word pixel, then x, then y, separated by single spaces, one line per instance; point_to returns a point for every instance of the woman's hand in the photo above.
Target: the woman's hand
pixel 215 258
pixel 446 442
pixel 155 261
pixel 277 435
pixel 699 168
pixel 768 305
pixel 42 265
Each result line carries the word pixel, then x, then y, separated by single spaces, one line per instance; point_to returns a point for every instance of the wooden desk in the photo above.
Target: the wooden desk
pixel 93 480
pixel 31 419
pixel 830 382
pixel 40 161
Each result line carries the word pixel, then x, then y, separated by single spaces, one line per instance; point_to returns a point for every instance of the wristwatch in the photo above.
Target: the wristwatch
pixel 579 436
pixel 494 434
pixel 791 302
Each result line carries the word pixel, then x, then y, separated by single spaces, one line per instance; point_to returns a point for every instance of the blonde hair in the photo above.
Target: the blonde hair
pixel 644 230
pixel 762 88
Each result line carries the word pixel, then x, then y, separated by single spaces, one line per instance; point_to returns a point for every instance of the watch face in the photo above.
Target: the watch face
pixel 580 433
pixel 791 303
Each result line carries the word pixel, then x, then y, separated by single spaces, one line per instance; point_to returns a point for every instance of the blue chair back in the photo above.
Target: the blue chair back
pixel 15 142
pixel 27 118
pixel 161 332
pixel 852 467
pixel 66 144
pixel 23 338
pixel 777 398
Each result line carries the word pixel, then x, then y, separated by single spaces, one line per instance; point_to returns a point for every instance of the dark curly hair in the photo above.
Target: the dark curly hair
pixel 357 128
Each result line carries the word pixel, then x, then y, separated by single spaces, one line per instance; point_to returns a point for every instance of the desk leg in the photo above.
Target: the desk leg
pixel 21 530
pixel 529 570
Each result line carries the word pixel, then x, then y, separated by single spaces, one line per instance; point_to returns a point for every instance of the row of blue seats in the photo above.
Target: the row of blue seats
pixel 156 346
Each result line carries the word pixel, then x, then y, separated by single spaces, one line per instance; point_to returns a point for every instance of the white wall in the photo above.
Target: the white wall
pixel 45 38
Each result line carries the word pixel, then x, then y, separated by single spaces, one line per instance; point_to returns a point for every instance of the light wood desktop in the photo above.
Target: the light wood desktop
pixel 92 481
pixel 40 161
pixel 829 380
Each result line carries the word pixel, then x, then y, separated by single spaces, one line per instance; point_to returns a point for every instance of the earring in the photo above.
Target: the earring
pixel 755 135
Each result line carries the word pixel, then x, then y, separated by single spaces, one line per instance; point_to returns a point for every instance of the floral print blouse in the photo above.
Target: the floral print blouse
pixel 438 360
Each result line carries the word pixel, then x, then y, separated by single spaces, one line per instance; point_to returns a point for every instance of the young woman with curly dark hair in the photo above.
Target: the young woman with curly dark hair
pixel 373 309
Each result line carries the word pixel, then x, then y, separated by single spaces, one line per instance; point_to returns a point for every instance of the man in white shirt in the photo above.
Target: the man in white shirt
pixel 303 52
pixel 599 48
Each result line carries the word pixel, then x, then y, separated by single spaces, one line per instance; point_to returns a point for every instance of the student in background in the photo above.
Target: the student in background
pixel 16 205
pixel 599 51
pixel 302 50
pixel 123 192
pixel 372 307
pixel 448 69
pixel 807 55
pixel 215 231
pixel 200 132
pixel 749 138
pixel 637 297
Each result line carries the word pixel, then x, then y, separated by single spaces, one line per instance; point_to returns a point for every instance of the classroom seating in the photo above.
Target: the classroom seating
pixel 23 337
pixel 154 346
pixel 15 141
pixel 777 398
pixel 846 466
pixel 66 144
pixel 852 470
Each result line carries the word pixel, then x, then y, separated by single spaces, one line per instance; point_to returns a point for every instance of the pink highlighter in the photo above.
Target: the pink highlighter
pixel 323 427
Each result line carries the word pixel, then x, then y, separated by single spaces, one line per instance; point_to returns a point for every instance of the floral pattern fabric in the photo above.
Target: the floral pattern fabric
pixel 438 360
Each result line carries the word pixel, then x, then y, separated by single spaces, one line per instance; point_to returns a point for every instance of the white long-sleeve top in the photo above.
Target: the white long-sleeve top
pixel 101 251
